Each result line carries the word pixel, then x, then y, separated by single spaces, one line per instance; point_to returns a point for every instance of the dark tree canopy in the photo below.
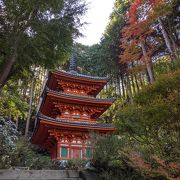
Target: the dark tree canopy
pixel 36 33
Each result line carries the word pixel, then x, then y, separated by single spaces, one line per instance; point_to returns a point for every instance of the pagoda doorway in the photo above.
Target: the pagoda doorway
pixel 76 153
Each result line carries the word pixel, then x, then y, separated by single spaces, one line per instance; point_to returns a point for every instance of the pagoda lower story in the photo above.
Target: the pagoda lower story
pixel 66 140
pixel 68 114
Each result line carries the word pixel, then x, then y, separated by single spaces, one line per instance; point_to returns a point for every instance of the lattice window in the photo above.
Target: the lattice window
pixel 64 152
pixel 88 152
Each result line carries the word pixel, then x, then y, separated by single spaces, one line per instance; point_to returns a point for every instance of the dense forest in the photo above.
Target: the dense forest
pixel 139 52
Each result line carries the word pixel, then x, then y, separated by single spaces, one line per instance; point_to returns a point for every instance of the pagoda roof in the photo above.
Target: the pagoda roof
pixel 50 96
pixel 76 124
pixel 74 77
pixel 81 98
pixel 75 74
pixel 45 123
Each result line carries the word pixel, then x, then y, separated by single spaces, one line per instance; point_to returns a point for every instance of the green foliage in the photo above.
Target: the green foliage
pixel 103 59
pixel 164 65
pixel 8 137
pixel 110 49
pixel 76 164
pixel 37 33
pixel 110 114
pixel 88 56
pixel 12 103
pixel 111 159
pixel 25 155
pixel 19 152
pixel 153 120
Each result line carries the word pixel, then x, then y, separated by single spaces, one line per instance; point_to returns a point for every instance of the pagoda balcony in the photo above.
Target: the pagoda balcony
pixel 78 119
pixel 59 104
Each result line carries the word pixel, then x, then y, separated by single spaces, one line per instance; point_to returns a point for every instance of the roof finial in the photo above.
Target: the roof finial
pixel 73 64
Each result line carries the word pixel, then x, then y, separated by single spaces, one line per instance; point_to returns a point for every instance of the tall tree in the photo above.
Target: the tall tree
pixel 165 12
pixel 105 55
pixel 135 38
pixel 36 33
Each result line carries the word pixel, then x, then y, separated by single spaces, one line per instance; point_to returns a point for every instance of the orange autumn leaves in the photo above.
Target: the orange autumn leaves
pixel 139 30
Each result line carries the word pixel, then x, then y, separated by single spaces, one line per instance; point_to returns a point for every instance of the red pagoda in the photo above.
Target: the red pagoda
pixel 69 112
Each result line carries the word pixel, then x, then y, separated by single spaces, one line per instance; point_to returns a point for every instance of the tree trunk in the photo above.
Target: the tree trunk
pixel 123 88
pixel 166 38
pixel 7 67
pixel 142 81
pixel 148 63
pixel 30 108
pixel 147 77
pixel 133 84
pixel 5 71
pixel 175 47
pixel 118 85
pixel 129 90
pixel 136 81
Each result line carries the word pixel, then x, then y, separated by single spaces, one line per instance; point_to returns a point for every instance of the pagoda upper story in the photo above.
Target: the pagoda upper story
pixel 74 83
pixel 71 96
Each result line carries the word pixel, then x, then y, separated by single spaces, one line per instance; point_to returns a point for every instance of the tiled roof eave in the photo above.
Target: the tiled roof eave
pixel 111 100
pixel 71 74
pixel 77 124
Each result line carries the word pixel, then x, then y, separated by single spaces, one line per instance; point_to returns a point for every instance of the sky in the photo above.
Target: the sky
pixel 97 18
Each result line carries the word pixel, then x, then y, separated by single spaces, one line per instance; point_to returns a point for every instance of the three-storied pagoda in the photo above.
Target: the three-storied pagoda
pixel 68 113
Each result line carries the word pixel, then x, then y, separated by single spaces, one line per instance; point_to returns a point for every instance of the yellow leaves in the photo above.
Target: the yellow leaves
pixel 137 69
pixel 160 8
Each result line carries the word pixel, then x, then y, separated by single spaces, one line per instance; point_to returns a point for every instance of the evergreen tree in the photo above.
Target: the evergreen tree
pixel 36 33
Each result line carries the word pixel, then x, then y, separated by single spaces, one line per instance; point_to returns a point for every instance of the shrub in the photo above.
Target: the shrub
pixel 76 164
pixel 25 155
pixel 111 159
pixel 152 124
pixel 165 65
pixel 153 120
pixel 8 137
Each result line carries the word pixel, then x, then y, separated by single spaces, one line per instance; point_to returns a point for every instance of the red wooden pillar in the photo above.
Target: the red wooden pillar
pixel 58 149
pixel 53 152
pixel 70 152
pixel 83 150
